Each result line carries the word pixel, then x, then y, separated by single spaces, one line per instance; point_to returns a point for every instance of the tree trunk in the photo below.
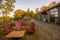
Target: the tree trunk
pixel 3 18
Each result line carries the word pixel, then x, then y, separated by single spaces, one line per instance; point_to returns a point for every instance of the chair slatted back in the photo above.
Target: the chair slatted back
pixel 18 25
pixel 7 28
pixel 31 27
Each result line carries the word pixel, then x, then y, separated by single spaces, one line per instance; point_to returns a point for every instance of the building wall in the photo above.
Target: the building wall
pixel 58 19
pixel 58 10
pixel 55 11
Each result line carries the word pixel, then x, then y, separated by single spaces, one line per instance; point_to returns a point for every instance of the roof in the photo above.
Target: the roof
pixel 54 6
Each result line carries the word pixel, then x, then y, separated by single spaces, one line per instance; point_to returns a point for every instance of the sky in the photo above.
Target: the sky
pixel 31 4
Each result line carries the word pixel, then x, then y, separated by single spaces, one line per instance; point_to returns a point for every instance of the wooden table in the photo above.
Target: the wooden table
pixel 16 34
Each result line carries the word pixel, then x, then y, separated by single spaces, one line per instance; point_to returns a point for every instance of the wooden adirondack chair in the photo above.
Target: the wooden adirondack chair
pixel 18 25
pixel 31 28
pixel 7 28
pixel 21 22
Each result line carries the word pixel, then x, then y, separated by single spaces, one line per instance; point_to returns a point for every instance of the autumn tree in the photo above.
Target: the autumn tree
pixel 19 14
pixel 52 4
pixel 43 8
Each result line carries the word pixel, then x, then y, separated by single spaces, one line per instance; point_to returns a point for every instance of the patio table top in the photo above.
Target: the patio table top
pixel 15 34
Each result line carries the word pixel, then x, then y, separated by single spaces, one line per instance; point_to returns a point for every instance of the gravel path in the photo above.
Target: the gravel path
pixel 45 31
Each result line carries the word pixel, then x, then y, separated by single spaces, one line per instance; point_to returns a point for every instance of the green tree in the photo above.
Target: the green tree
pixel 7 7
pixel 32 14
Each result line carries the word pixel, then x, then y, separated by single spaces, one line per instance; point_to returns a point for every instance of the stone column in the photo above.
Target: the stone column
pixel 48 16
pixel 58 11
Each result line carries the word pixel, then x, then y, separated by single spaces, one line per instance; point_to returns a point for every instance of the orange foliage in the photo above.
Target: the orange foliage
pixel 53 4
pixel 19 12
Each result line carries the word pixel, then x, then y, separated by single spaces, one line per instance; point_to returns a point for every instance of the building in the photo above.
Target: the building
pixel 54 13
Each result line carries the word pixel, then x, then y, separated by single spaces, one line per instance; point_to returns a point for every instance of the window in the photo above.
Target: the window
pixel 54 11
